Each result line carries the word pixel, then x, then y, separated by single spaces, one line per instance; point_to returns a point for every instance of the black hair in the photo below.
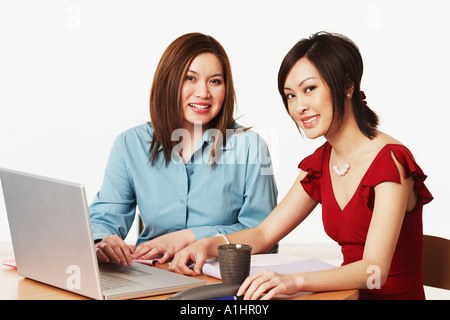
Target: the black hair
pixel 340 64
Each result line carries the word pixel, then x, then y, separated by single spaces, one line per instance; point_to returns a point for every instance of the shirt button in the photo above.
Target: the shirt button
pixel 181 201
pixel 189 171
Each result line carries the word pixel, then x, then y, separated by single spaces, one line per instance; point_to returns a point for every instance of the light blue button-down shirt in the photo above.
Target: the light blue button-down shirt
pixel 237 193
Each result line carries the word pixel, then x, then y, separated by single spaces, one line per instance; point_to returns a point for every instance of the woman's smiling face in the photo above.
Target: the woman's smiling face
pixel 309 99
pixel 203 90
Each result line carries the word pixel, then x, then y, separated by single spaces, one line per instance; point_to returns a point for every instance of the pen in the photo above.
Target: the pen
pixel 148 262
pixel 230 298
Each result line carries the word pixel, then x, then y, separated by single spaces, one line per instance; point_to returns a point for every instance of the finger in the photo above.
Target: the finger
pixel 179 265
pixel 101 256
pixel 120 257
pixel 264 287
pixel 109 252
pixel 140 251
pixel 120 250
pixel 257 280
pixel 269 295
pixel 267 286
pixel 244 286
pixel 173 265
pixel 125 253
pixel 250 290
pixel 119 253
pixel 164 258
pixel 150 254
pixel 182 269
pixel 199 262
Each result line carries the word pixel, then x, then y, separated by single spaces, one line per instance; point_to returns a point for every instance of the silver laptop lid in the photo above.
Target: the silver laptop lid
pixel 52 241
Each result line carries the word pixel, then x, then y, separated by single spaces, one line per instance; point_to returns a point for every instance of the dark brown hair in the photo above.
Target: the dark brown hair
pixel 340 65
pixel 165 95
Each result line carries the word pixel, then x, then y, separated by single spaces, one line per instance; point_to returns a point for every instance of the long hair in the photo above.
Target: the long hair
pixel 340 65
pixel 165 95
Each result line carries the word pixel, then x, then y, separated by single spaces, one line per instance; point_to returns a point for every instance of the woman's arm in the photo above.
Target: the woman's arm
pixel 113 209
pixel 291 211
pixel 391 202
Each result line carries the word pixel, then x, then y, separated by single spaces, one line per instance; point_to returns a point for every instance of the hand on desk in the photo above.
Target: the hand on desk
pixel 167 245
pixel 261 285
pixel 265 285
pixel 195 252
pixel 113 248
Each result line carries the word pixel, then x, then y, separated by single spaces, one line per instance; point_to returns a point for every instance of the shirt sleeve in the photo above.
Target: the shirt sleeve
pixel 113 208
pixel 260 194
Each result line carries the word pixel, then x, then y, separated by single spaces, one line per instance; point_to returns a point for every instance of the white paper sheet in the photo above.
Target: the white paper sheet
pixel 281 263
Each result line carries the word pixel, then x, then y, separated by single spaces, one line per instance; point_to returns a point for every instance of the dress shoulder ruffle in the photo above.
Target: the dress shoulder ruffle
pixel 312 165
pixel 384 169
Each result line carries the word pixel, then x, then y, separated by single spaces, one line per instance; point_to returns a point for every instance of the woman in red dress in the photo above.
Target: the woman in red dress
pixel 368 183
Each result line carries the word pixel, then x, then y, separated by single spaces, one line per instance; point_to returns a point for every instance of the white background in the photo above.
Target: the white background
pixel 74 74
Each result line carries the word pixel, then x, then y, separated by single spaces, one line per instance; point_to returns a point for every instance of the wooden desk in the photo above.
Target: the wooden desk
pixel 15 287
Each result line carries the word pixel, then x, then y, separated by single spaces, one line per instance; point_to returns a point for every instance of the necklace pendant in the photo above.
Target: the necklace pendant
pixel 342 172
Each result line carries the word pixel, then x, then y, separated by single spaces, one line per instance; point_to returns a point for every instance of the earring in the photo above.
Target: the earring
pixel 348 95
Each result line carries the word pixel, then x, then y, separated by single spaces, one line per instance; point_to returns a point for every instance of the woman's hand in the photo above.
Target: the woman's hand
pixel 167 245
pixel 195 252
pixel 113 248
pixel 271 283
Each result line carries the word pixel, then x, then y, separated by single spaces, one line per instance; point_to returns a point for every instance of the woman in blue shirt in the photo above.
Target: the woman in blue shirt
pixel 193 172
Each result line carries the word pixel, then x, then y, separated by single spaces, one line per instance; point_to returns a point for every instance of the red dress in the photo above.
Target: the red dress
pixel 349 227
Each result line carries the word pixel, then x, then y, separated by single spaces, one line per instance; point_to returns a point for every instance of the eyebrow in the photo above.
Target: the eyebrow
pixel 301 82
pixel 214 75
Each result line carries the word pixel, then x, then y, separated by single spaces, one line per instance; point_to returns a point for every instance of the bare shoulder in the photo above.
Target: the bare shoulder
pixel 383 139
pixel 375 145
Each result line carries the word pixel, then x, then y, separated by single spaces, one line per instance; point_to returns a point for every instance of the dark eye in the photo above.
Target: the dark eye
pixel 189 78
pixel 309 89
pixel 289 96
pixel 216 81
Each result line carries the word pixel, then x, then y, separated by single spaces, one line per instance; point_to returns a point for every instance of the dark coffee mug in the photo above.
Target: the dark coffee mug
pixel 234 262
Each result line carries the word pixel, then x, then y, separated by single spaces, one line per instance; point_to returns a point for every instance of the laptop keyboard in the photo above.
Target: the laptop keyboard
pixel 112 282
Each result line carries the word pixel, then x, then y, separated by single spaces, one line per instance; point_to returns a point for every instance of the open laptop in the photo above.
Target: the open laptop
pixel 53 243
